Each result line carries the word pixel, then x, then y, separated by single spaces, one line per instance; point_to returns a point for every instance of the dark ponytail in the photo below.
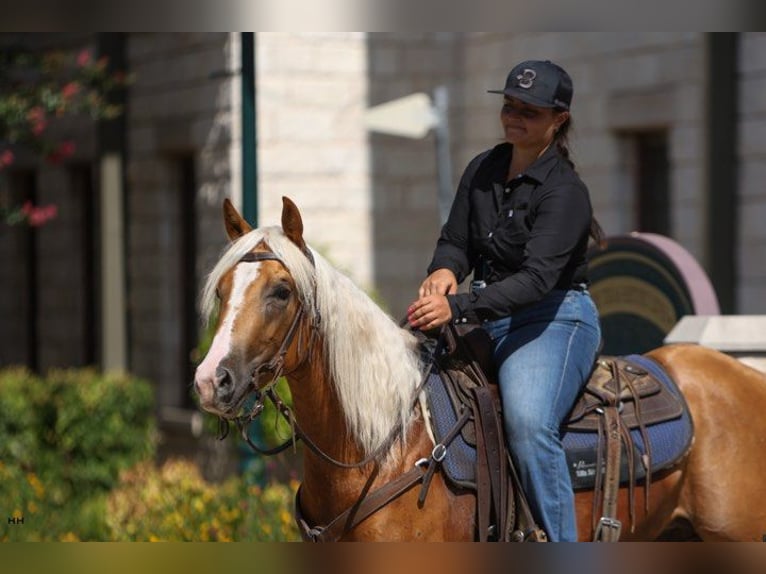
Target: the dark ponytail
pixel 561 139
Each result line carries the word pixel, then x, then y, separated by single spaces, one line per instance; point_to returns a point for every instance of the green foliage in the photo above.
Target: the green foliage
pixel 39 87
pixel 75 463
pixel 64 439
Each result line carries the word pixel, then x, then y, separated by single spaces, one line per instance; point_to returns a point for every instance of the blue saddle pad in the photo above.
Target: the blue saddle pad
pixel 669 440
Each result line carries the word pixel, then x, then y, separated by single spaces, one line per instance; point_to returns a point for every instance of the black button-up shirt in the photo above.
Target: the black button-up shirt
pixel 526 236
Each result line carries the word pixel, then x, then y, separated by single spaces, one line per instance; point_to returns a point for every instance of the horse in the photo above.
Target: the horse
pixel 353 372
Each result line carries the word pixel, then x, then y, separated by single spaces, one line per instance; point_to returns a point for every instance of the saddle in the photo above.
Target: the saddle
pixel 621 396
pixel 464 365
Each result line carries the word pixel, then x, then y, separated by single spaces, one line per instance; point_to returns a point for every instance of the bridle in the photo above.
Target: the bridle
pixel 276 365
pixel 369 502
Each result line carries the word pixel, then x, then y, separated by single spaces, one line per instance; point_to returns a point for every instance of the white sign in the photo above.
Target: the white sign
pixel 412 116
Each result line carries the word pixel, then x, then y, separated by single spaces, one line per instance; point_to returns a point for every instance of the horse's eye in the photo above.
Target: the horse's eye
pixel 281 293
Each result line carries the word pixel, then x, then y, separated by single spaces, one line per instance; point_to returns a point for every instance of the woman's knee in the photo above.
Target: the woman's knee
pixel 525 427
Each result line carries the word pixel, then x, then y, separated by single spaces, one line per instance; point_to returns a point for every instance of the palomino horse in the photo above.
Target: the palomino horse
pixel 353 372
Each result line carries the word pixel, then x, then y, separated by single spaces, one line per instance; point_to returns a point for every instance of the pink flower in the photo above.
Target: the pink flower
pixel 6 158
pixel 70 90
pixel 37 120
pixel 83 58
pixel 64 150
pixel 37 216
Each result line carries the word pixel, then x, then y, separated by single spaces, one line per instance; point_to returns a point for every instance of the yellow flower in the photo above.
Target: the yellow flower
pixel 254 490
pixel 36 484
pixel 32 507
pixel 69 537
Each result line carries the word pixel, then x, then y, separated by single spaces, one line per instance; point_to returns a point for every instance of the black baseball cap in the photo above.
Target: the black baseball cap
pixel 539 83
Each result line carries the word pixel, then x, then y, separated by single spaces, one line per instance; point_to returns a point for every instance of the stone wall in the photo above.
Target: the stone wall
pixel 751 262
pixel 183 116
pixel 404 186
pixel 311 92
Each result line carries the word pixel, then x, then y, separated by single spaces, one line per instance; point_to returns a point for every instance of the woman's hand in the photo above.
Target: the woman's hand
pixel 440 282
pixel 429 312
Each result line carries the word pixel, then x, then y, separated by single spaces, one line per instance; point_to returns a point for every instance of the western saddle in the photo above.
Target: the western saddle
pixel 618 397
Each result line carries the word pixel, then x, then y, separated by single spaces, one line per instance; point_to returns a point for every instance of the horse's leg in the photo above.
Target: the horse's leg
pixel 722 491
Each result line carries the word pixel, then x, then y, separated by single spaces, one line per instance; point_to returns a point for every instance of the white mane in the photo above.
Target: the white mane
pixel 373 363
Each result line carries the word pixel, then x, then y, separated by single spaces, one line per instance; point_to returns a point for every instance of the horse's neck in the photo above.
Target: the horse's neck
pixel 329 489
pixel 319 414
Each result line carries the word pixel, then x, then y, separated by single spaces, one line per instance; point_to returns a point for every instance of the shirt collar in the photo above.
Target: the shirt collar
pixel 541 167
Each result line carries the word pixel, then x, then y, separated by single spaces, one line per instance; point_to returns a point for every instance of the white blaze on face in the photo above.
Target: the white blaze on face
pixel 244 275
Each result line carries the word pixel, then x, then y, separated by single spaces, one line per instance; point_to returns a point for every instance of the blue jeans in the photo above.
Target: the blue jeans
pixel 544 354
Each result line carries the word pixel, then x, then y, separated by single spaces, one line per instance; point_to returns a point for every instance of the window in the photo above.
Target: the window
pixel 186 186
pixel 647 175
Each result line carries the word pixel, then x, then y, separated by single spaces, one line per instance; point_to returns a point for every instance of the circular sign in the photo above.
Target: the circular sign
pixel 643 284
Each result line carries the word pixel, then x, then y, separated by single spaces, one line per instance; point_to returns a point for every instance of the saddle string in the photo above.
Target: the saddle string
pixel 646 458
pixel 627 439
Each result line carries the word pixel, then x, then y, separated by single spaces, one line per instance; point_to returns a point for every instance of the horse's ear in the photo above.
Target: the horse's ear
pixel 292 224
pixel 236 226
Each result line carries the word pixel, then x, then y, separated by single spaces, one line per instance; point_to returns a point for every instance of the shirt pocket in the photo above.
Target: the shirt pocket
pixel 511 238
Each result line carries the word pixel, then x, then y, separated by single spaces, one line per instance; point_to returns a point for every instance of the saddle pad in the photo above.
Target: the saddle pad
pixel 459 464
pixel 669 440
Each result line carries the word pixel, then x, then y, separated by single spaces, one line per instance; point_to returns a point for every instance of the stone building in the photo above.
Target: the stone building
pixel 670 136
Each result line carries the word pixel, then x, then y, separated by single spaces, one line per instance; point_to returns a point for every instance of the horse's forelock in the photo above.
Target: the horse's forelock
pixel 295 261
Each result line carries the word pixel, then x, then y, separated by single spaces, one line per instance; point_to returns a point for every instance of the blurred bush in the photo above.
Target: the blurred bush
pixel 175 503
pixel 76 463
pixel 64 438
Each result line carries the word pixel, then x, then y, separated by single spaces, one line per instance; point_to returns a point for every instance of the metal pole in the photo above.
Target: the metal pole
pixel 443 158
pixel 250 464
pixel 722 114
pixel 249 180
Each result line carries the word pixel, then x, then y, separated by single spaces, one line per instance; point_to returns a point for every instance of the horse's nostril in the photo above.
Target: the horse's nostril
pixel 224 380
